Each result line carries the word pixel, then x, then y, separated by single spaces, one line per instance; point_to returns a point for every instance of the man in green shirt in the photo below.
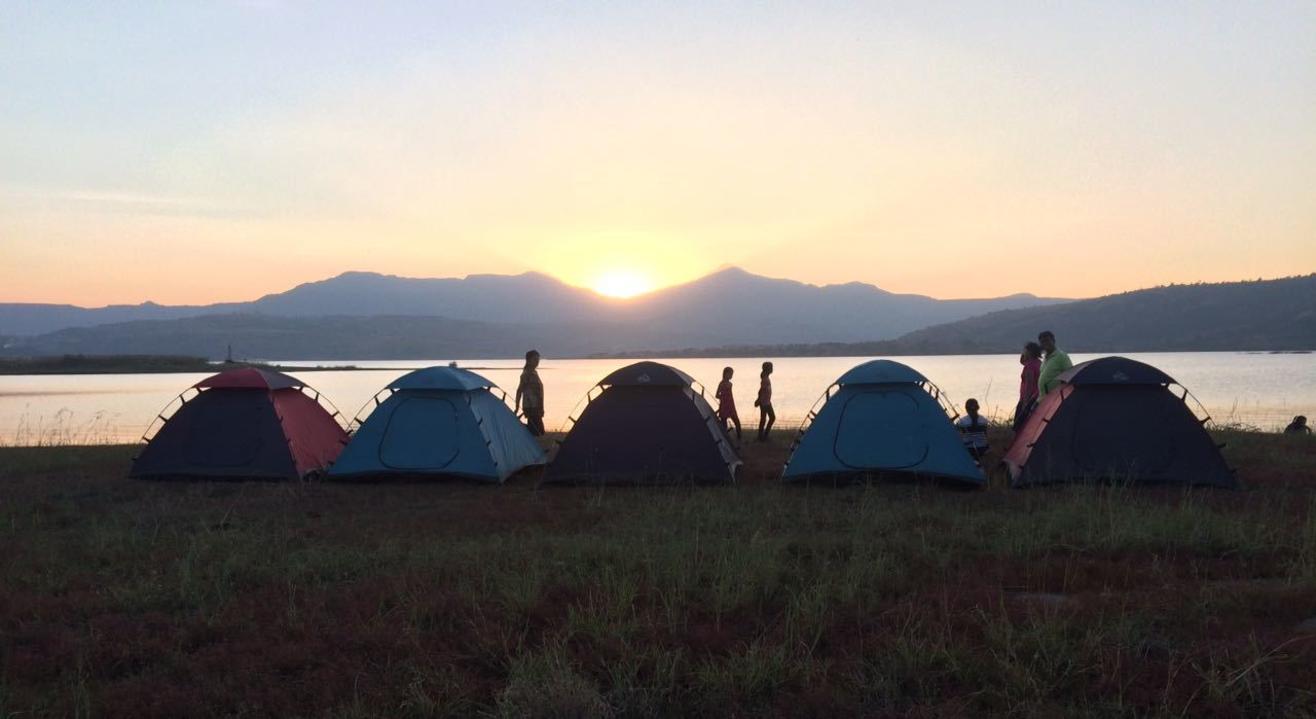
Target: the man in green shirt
pixel 1055 364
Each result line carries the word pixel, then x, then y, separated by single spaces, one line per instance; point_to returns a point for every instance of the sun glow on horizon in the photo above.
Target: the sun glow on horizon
pixel 628 148
pixel 622 284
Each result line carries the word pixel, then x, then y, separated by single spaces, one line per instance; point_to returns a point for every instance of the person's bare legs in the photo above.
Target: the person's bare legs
pixel 535 423
pixel 734 421
pixel 766 419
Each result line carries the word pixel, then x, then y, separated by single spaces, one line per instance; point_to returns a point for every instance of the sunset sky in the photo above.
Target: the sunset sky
pixel 189 152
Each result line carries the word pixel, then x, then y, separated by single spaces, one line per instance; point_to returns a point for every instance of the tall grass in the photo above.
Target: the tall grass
pixel 64 429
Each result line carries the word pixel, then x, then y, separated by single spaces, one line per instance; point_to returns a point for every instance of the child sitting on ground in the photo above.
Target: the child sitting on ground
pixel 1298 426
pixel 973 430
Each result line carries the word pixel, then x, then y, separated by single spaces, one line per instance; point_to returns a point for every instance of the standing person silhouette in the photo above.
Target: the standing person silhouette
pixel 1055 364
pixel 726 403
pixel 764 402
pixel 530 395
pixel 1031 359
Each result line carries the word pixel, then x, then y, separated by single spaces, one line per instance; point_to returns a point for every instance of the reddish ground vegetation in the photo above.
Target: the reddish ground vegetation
pixel 123 598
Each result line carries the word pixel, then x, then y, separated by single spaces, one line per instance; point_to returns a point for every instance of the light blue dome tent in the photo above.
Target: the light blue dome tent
pixel 438 422
pixel 880 417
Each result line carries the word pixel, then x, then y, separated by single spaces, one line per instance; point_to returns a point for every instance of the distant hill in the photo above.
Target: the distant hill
pixel 362 315
pixel 736 306
pixel 270 337
pixel 20 318
pixel 1262 315
pixel 491 298
pixel 1258 315
pixel 727 306
pixel 528 297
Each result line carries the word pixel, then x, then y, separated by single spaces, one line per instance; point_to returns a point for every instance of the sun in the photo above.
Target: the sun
pixel 622 284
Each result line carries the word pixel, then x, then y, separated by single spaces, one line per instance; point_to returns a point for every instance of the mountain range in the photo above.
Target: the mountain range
pixel 1259 315
pixel 729 306
pixel 1262 315
pixel 360 315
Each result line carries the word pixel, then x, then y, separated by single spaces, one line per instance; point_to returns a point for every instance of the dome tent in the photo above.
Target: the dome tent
pixel 245 423
pixel 438 422
pixel 880 417
pixel 1116 419
pixel 647 424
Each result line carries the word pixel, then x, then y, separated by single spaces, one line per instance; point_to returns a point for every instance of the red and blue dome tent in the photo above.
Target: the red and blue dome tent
pixel 1117 419
pixel 243 423
pixel 881 419
pixel 646 425
pixel 438 422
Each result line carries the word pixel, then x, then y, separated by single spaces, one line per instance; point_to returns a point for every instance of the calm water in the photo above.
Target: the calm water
pixel 1259 389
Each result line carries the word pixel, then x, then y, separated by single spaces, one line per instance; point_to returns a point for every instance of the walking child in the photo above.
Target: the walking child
pixel 530 395
pixel 726 403
pixel 764 402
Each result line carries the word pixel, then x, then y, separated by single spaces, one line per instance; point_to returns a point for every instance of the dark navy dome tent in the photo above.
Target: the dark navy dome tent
pixel 245 423
pixel 647 425
pixel 881 417
pixel 439 422
pixel 1116 419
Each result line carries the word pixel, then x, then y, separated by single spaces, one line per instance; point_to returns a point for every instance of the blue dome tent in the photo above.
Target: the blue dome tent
pixel 438 422
pixel 880 417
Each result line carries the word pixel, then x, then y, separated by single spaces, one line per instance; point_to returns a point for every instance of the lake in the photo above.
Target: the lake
pixel 1264 390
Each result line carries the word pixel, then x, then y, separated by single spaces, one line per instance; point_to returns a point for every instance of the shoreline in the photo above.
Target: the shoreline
pixel 216 368
pixel 147 364
pixel 164 364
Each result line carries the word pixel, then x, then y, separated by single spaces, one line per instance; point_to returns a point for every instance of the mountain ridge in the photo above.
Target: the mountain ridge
pixel 1267 315
pixel 731 304
pixel 1249 315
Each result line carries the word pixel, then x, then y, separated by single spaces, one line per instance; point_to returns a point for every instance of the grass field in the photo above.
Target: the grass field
pixel 127 598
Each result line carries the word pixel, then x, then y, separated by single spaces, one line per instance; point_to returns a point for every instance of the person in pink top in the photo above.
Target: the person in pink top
pixel 764 402
pixel 1031 359
pixel 726 402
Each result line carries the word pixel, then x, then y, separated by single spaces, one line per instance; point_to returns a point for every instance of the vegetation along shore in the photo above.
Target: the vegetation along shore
pixel 134 364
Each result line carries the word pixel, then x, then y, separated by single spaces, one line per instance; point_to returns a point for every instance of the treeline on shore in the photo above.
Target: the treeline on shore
pixel 125 364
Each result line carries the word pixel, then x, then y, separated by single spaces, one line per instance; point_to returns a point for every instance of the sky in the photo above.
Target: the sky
pixel 191 152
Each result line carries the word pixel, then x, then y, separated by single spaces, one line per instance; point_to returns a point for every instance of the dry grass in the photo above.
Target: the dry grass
pixel 124 598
